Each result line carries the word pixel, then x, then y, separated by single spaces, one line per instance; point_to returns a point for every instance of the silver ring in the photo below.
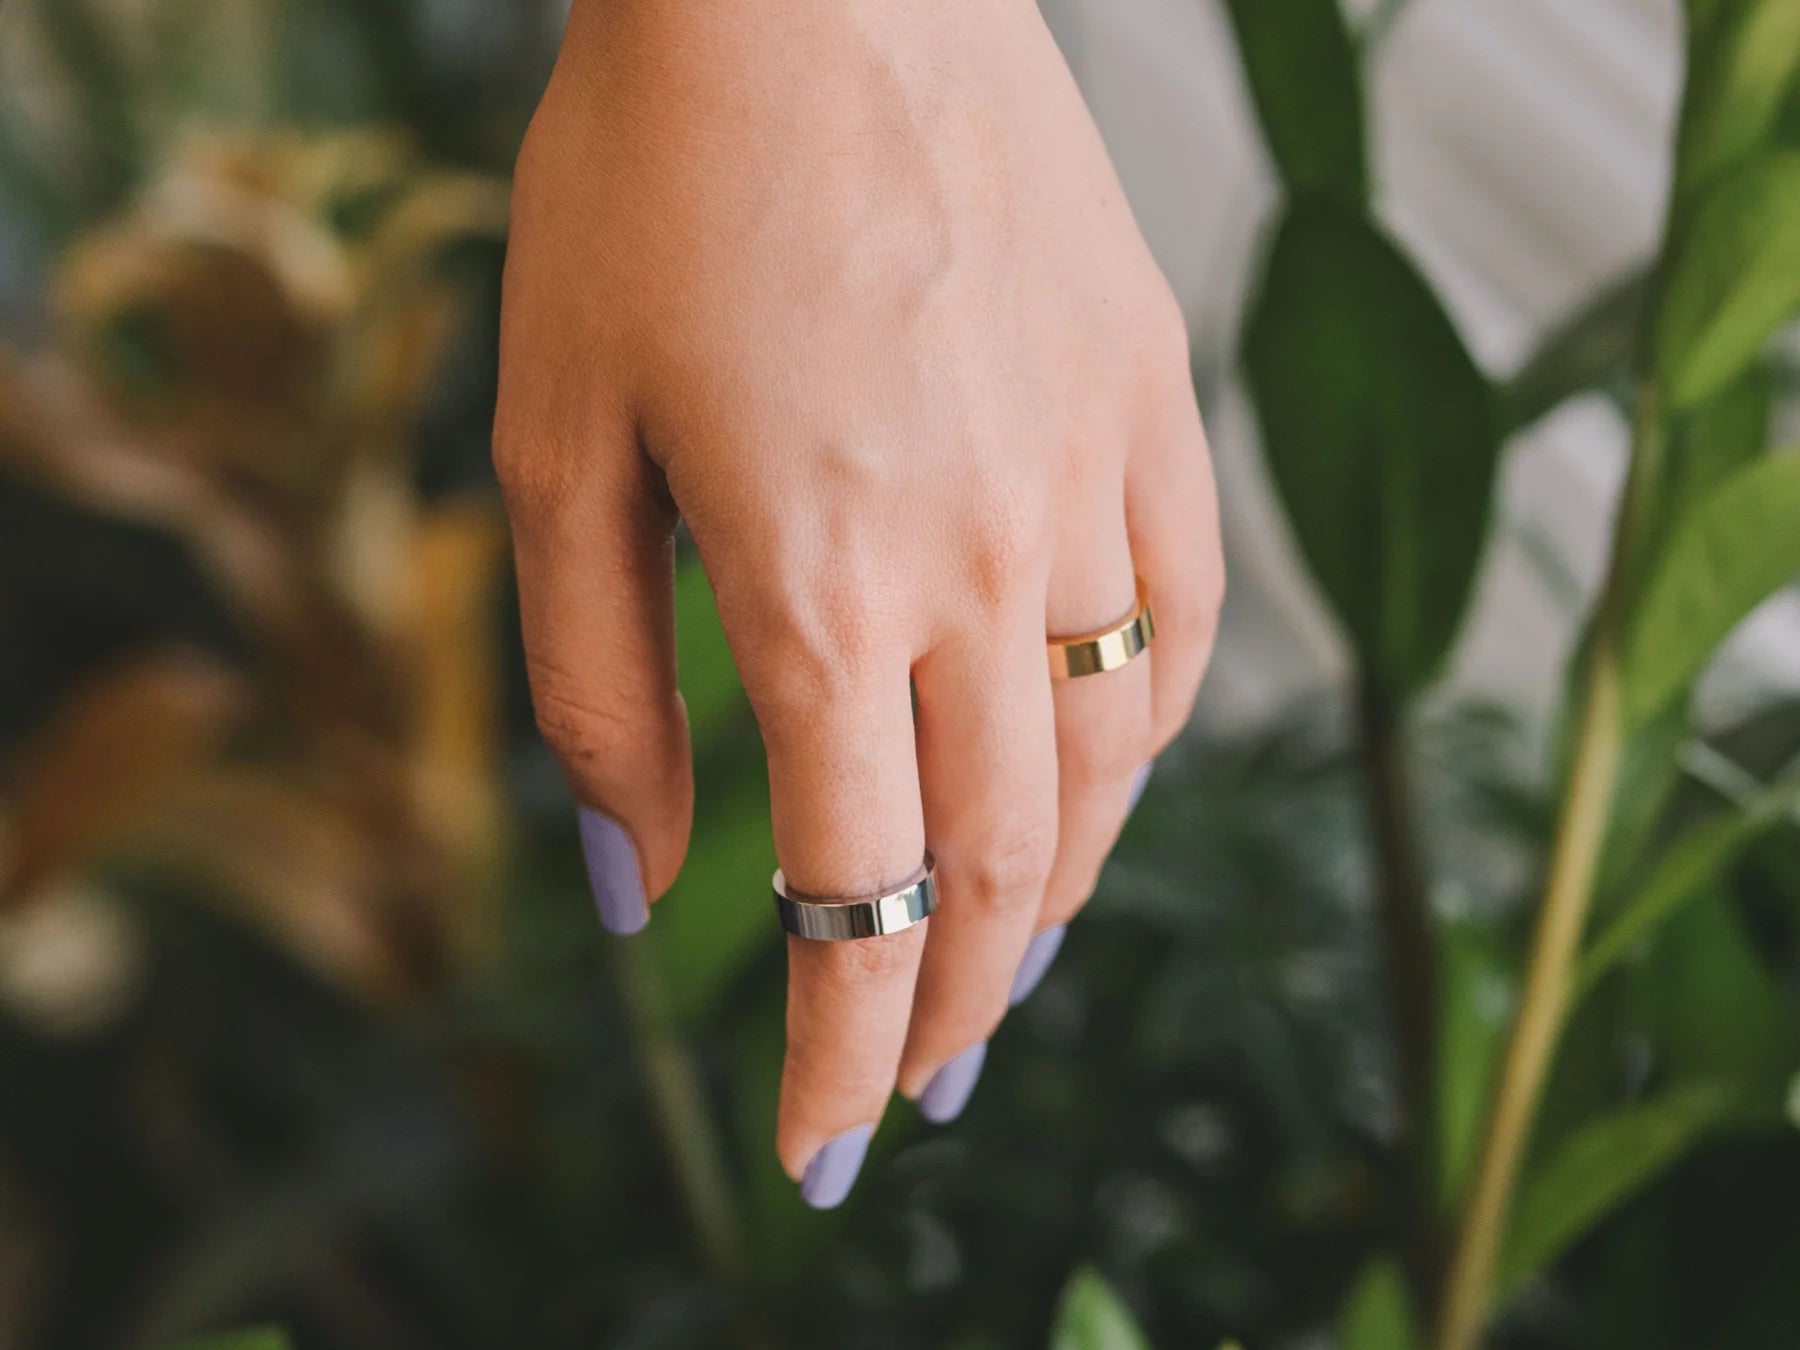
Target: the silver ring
pixel 833 919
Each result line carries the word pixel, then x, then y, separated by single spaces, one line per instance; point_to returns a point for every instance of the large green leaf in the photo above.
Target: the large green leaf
pixel 1301 64
pixel 1734 279
pixel 1092 1317
pixel 1601 1164
pixel 1379 431
pixel 1683 873
pixel 1721 436
pixel 1742 62
pixel 257 1338
pixel 1716 1012
pixel 1701 15
pixel 1378 1314
pixel 1731 552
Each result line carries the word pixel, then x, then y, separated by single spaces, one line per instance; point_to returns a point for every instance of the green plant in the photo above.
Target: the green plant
pixel 1382 439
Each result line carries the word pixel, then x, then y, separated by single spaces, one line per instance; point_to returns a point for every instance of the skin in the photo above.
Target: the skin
pixel 850 286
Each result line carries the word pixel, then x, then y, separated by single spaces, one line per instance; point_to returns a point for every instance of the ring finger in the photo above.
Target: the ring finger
pixel 1103 723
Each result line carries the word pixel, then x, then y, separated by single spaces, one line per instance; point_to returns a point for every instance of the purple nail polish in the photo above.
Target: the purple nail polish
pixel 950 1089
pixel 832 1172
pixel 1035 964
pixel 1139 781
pixel 612 868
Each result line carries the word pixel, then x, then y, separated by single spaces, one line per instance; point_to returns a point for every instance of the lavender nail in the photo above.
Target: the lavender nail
pixel 612 868
pixel 1035 964
pixel 832 1172
pixel 1139 781
pixel 952 1086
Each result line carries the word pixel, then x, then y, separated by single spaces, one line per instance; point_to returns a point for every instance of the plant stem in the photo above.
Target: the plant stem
pixel 1403 907
pixel 1581 829
pixel 672 1081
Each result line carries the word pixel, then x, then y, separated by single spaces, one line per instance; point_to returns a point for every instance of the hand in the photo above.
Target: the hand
pixel 851 287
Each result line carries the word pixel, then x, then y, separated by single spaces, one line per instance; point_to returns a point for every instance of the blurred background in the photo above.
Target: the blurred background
pixel 305 1019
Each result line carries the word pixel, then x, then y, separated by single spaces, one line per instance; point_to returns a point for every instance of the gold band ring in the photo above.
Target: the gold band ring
pixel 836 919
pixel 1096 653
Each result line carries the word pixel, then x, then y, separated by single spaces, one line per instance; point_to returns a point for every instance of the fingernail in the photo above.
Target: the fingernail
pixel 1035 964
pixel 612 868
pixel 1139 781
pixel 950 1089
pixel 832 1172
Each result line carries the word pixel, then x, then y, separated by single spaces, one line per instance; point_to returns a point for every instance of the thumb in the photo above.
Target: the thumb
pixel 593 546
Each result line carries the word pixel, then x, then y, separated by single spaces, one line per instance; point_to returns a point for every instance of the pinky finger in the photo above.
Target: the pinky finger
pixel 1172 519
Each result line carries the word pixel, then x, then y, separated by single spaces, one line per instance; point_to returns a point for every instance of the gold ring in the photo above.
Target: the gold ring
pixel 1096 653
pixel 837 919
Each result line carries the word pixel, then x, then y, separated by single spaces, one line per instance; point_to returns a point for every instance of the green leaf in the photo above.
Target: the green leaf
pixel 1684 872
pixel 1743 58
pixel 1734 550
pixel 1701 14
pixel 1601 1164
pixel 1593 346
pixel 710 924
pixel 1648 775
pixel 1379 432
pixel 1378 1314
pixel 1734 279
pixel 718 914
pixel 1477 1001
pixel 1787 121
pixel 1716 1012
pixel 1302 68
pixel 1721 436
pixel 1092 1317
pixel 258 1338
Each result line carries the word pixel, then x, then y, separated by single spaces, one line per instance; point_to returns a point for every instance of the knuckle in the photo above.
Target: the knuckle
pixel 1164 331
pixel 581 733
pixel 812 659
pixel 531 481
pixel 1002 547
pixel 1013 866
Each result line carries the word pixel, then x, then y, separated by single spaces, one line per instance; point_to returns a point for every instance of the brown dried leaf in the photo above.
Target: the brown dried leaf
pixel 114 748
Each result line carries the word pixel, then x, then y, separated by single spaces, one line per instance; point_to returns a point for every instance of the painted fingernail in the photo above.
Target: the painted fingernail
pixel 1035 963
pixel 612 868
pixel 1139 781
pixel 832 1172
pixel 950 1089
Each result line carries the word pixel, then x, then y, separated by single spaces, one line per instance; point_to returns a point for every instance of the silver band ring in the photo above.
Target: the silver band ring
pixel 833 919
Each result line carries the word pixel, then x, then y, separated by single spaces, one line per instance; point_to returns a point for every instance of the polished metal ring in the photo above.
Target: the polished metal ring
pixel 1096 653
pixel 834 919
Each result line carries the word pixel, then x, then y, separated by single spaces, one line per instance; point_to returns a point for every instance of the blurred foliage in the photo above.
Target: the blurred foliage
pixel 259 1339
pixel 1374 424
pixel 305 1020
pixel 1092 1318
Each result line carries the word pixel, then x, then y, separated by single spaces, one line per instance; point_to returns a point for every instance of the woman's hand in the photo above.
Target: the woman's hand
pixel 851 287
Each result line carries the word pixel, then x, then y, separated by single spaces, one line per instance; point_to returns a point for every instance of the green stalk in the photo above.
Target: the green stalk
pixel 1569 890
pixel 672 1080
pixel 1403 909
